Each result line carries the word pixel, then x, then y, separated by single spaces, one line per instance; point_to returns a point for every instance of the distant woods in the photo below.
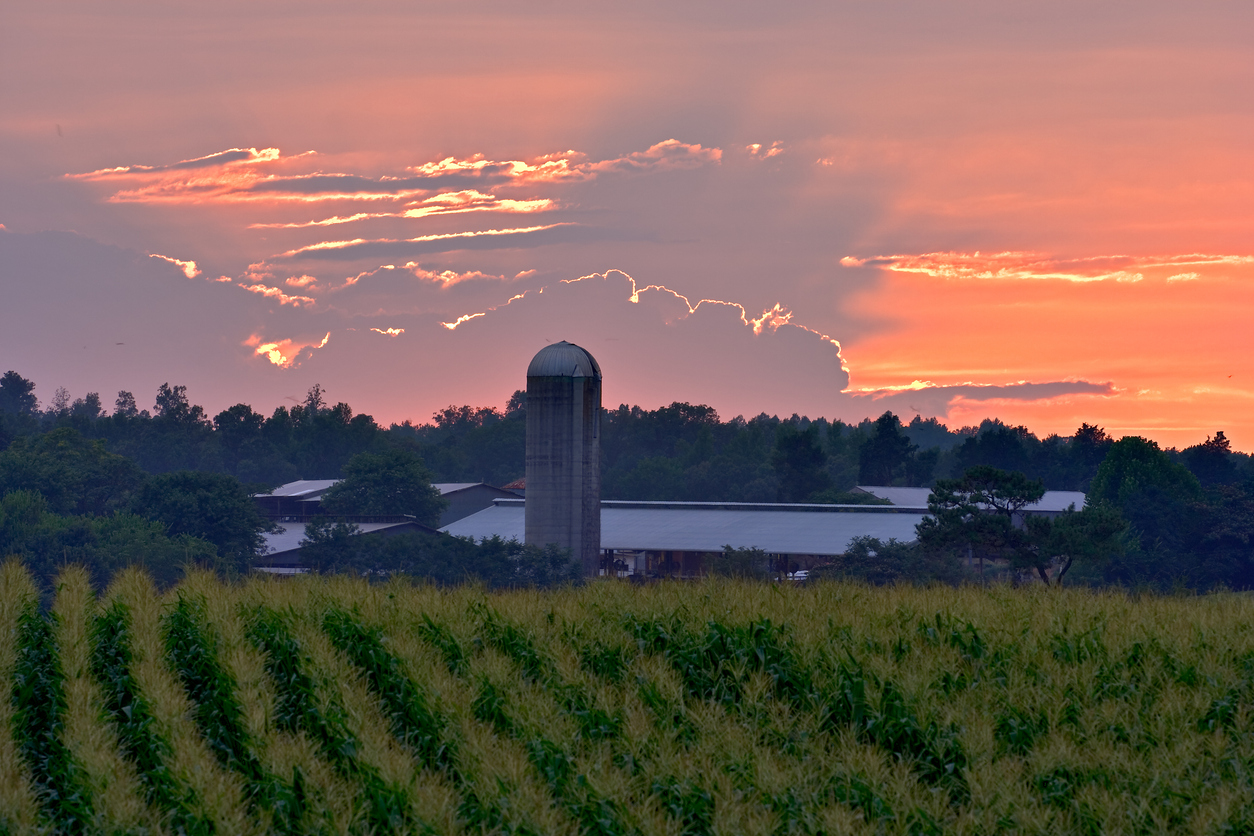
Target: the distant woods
pixel 1190 512
pixel 678 452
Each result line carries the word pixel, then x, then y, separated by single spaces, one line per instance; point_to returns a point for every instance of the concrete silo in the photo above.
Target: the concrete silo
pixel 563 501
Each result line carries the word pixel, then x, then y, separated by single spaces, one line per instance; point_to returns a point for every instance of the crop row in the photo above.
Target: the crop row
pixel 316 706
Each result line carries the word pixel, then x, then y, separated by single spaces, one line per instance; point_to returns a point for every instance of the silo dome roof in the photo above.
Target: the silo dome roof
pixel 563 360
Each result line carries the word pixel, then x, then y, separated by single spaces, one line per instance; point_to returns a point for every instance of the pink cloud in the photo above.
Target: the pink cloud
pixel 364 246
pixel 448 203
pixel 189 268
pixel 284 353
pixel 278 295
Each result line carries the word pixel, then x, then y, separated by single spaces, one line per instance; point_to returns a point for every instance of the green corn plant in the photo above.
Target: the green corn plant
pixel 131 715
pixel 414 721
pixel 39 717
pixel 298 709
pixel 18 811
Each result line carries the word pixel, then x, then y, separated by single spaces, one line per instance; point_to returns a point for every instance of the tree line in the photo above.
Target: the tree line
pixel 79 480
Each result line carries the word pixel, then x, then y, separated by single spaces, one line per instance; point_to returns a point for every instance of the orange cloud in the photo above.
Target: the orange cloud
pixel 773 150
pixel 222 159
pixel 285 354
pixel 1035 266
pixel 449 203
pixel 189 268
pixel 233 175
pixel 389 332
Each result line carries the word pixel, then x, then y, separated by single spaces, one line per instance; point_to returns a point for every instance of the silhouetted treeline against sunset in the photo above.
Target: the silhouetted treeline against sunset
pixel 78 478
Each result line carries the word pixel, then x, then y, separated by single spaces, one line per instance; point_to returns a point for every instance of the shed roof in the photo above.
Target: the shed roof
pixel 314 488
pixel 710 526
pixel 1052 501
pixel 302 488
pixel 289 535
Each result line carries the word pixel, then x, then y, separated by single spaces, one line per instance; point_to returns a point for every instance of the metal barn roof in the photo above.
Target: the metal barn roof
pixel 709 526
pixel 314 488
pixel 302 488
pixel 289 535
pixel 1051 502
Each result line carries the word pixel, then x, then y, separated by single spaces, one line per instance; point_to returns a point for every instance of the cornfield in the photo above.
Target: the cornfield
pixel 335 706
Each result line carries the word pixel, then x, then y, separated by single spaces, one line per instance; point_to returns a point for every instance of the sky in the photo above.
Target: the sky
pixel 1039 212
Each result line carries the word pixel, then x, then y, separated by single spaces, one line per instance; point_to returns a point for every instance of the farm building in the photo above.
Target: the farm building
pixel 1051 504
pixel 283 546
pixel 293 505
pixel 674 538
pixel 302 500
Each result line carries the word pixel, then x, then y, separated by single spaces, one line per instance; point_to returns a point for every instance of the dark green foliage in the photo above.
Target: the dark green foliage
pixel 799 461
pixel 193 655
pixel 46 541
pixel 934 752
pixel 877 562
pixel 489 706
pixel 76 475
pixel 732 562
pixel 887 457
pixel 687 803
pixel 977 514
pixel 128 710
pixel 1212 461
pixel 716 665
pixel 1153 493
pixel 297 710
pixel 39 709
pixel 997 446
pixel 210 506
pixel 442 639
pixel 1017 730
pixel 392 482
pixel 857 792
pixel 1094 536
pixel 514 643
pixel 609 663
pixel 667 714
pixel 334 547
pixel 17 394
pixel 414 722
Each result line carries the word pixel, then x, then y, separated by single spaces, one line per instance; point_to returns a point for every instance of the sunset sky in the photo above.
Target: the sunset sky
pixel 1039 212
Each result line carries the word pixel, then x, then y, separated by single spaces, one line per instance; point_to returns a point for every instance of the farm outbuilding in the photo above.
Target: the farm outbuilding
pixel 674 538
pixel 302 500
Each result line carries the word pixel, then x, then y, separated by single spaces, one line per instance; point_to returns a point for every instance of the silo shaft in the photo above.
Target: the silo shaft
pixel 563 493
